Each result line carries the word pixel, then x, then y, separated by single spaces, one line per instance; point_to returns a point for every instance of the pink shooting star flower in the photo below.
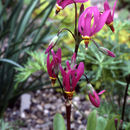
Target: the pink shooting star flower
pixel 94 96
pixel 110 18
pixel 91 22
pixel 71 77
pixel 61 4
pixel 53 67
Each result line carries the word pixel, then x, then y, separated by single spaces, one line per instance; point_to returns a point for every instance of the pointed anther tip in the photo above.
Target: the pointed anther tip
pixel 56 12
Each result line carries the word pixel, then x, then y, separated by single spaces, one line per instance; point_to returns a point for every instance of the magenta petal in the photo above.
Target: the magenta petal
pixel 68 65
pixel 49 66
pixel 81 24
pixel 102 21
pixel 64 3
pixel 114 8
pixel 101 92
pixel 62 71
pixel 67 81
pixel 58 54
pixel 80 70
pixel 73 60
pixel 96 15
pixel 106 5
pixel 87 23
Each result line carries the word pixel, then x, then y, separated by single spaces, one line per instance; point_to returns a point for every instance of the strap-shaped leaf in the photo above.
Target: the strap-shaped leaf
pixel 10 62
pixel 48 10
pixel 25 18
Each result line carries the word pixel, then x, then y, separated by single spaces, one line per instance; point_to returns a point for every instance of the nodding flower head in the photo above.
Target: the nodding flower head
pixel 61 4
pixel 51 44
pixel 110 18
pixel 91 22
pixel 53 66
pixel 71 77
pixel 94 96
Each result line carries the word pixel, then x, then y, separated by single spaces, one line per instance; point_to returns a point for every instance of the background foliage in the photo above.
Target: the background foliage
pixel 19 33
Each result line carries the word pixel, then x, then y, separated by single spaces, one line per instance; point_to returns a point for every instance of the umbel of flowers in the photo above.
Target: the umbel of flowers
pixel 90 22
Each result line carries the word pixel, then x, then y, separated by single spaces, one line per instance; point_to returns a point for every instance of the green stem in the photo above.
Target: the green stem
pixel 60 85
pixel 75 30
pixel 95 43
pixel 125 99
pixel 66 29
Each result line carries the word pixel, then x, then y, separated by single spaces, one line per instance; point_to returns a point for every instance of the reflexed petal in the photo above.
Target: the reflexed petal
pixel 101 92
pixel 77 75
pixel 49 66
pixel 73 59
pixel 58 54
pixel 64 3
pixel 102 21
pixel 67 81
pixel 96 16
pixel 87 23
pixel 68 65
pixel 114 8
pixel 62 71
pixel 80 70
pixel 106 5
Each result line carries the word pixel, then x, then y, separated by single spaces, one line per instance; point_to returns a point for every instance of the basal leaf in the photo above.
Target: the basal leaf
pixel 92 119
pixel 58 122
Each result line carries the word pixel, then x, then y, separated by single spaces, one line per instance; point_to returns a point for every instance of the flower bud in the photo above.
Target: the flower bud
pixel 51 44
pixel 73 60
pixel 94 96
pixel 116 122
pixel 81 9
pixel 90 88
pixel 106 51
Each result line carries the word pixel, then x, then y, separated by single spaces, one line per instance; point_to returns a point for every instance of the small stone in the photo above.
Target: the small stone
pixel 76 98
pixel 25 102
pixel 40 107
pixel 34 117
pixel 23 115
pixel 81 127
pixel 63 109
pixel 47 106
pixel 39 121
pixel 46 112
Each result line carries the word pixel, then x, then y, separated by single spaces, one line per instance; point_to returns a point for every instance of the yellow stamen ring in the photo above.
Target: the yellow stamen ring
pixel 58 8
pixel 86 38
pixel 52 78
pixel 110 24
pixel 69 94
